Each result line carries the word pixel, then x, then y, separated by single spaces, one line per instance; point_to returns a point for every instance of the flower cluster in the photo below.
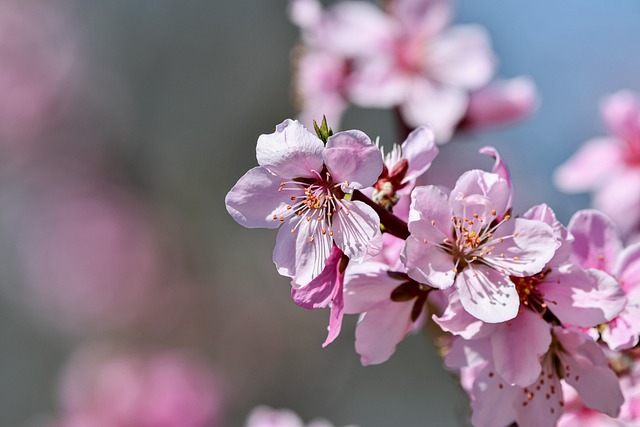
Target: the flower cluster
pixel 527 306
pixel 404 56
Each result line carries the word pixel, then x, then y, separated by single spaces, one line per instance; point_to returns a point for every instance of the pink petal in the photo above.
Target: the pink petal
pixel 419 149
pixel 588 372
pixel 255 199
pixel 430 214
pixel 428 264
pixel 457 321
pixel 544 213
pixel 378 83
pixel 318 292
pixel 621 205
pixel 627 267
pixel 351 157
pixel 354 228
pixel 487 294
pixel 305 13
pixel 355 28
pixel 493 194
pixel 596 244
pixel 462 57
pixel 518 347
pixel 295 256
pixel 500 168
pixel 621 114
pixel 437 106
pixel 380 330
pixel 526 253
pixel 584 298
pixel 468 353
pixel 622 332
pixel 291 151
pixel 425 18
pixel 590 167
pixel 337 312
pixel 533 407
pixel 493 401
pixel 501 102
pixel 366 286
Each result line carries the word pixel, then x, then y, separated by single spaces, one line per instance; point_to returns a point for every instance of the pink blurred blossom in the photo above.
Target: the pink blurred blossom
pixel 91 257
pixel 263 416
pixel 500 102
pixel 103 387
pixel 609 167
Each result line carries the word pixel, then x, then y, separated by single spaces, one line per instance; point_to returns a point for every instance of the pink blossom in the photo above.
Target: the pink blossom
pixel 458 239
pixel 560 293
pixel 500 102
pixel 598 246
pixel 263 416
pixel 422 67
pixel 403 165
pixel 91 258
pixel 301 185
pixel 110 388
pixel 573 358
pixel 610 166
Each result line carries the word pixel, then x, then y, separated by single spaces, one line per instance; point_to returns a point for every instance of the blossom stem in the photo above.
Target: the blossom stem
pixel 392 224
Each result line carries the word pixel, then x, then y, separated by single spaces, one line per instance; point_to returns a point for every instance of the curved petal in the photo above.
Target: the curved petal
pixel 378 83
pixel 584 298
pixel 597 243
pixel 617 201
pixel 458 321
pixel 255 199
pixel 319 291
pixel 518 346
pixel 428 264
pixel 501 102
pixel 586 369
pixel 437 106
pixel 430 214
pixel 367 285
pixel 544 213
pixel 487 294
pixel 590 167
pixel 419 149
pixel 493 400
pixel 291 151
pixel 493 191
pixel 424 17
pixel 461 56
pixel 621 114
pixel 351 157
pixel 627 267
pixel 354 228
pixel 543 407
pixel 380 330
pixel 296 256
pixel 500 168
pixel 521 247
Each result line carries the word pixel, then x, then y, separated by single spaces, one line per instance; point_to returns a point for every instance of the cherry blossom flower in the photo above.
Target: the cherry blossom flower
pixel 559 293
pixel 302 187
pixel 598 246
pixel 424 68
pixel 403 165
pixel 610 166
pixel 263 416
pixel 106 387
pixel 574 359
pixel 458 239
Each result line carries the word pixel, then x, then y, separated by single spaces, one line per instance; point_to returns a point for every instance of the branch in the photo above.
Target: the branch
pixel 392 224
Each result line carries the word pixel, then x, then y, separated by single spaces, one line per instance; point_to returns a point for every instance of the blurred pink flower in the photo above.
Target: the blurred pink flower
pixel 101 387
pixel 263 416
pixel 610 166
pixel 500 102
pixel 91 258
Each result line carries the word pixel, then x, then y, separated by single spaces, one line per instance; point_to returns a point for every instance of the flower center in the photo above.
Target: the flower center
pixel 529 293
pixel 314 200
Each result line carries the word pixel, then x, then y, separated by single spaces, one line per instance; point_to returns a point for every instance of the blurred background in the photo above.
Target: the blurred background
pixel 123 124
